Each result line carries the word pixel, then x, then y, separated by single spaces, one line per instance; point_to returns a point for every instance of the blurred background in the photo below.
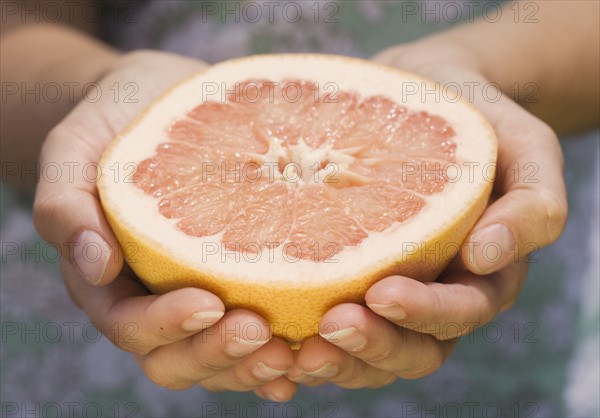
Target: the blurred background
pixel 539 359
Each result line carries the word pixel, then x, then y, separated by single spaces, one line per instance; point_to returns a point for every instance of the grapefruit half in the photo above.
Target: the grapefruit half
pixel 287 184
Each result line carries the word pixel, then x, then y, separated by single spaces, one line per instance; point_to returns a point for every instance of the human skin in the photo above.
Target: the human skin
pixel 559 55
pixel 392 336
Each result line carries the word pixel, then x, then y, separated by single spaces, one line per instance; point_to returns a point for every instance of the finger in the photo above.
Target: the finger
pixel 319 361
pixel 381 344
pixel 183 364
pixel 268 363
pixel 278 390
pixel 139 322
pixel 67 211
pixel 448 309
pixel 531 211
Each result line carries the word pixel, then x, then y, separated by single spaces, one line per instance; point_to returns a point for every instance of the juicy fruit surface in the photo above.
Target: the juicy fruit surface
pixel 288 164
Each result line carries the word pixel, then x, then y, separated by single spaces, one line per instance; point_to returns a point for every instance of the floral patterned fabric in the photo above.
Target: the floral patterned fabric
pixel 539 359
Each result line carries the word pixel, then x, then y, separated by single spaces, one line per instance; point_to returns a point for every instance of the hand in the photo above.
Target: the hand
pixel 409 328
pixel 181 338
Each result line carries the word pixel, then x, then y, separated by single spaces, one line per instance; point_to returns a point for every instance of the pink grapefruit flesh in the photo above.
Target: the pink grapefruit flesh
pixel 287 184
pixel 216 175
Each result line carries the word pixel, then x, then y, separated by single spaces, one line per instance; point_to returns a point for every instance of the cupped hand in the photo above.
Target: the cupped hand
pixel 409 328
pixel 181 338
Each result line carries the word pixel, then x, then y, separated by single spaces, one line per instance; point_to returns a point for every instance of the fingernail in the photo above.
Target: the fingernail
pixel 496 245
pixel 263 372
pixel 327 371
pixel 201 320
pixel 388 310
pixel 303 378
pixel 91 254
pixel 274 398
pixel 350 339
pixel 241 347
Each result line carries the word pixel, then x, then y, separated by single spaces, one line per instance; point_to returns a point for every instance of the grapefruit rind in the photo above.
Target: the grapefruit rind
pixel 294 296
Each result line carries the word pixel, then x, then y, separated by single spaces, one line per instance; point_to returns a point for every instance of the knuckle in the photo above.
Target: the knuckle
pixel 43 211
pixel 207 366
pixel 131 348
pixel 477 313
pixel 352 375
pixel 482 313
pixel 231 381
pixel 353 380
pixel 434 362
pixel 385 355
pixel 555 214
pixel 134 347
pixel 155 371
pixel 122 331
pixel 241 382
pixel 454 330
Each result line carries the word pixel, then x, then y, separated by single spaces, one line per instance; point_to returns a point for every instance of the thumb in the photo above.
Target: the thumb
pixel 531 210
pixel 66 210
pixel 531 207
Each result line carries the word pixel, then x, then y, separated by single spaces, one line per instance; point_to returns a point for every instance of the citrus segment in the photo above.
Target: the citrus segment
pixel 274 158
pixel 297 187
